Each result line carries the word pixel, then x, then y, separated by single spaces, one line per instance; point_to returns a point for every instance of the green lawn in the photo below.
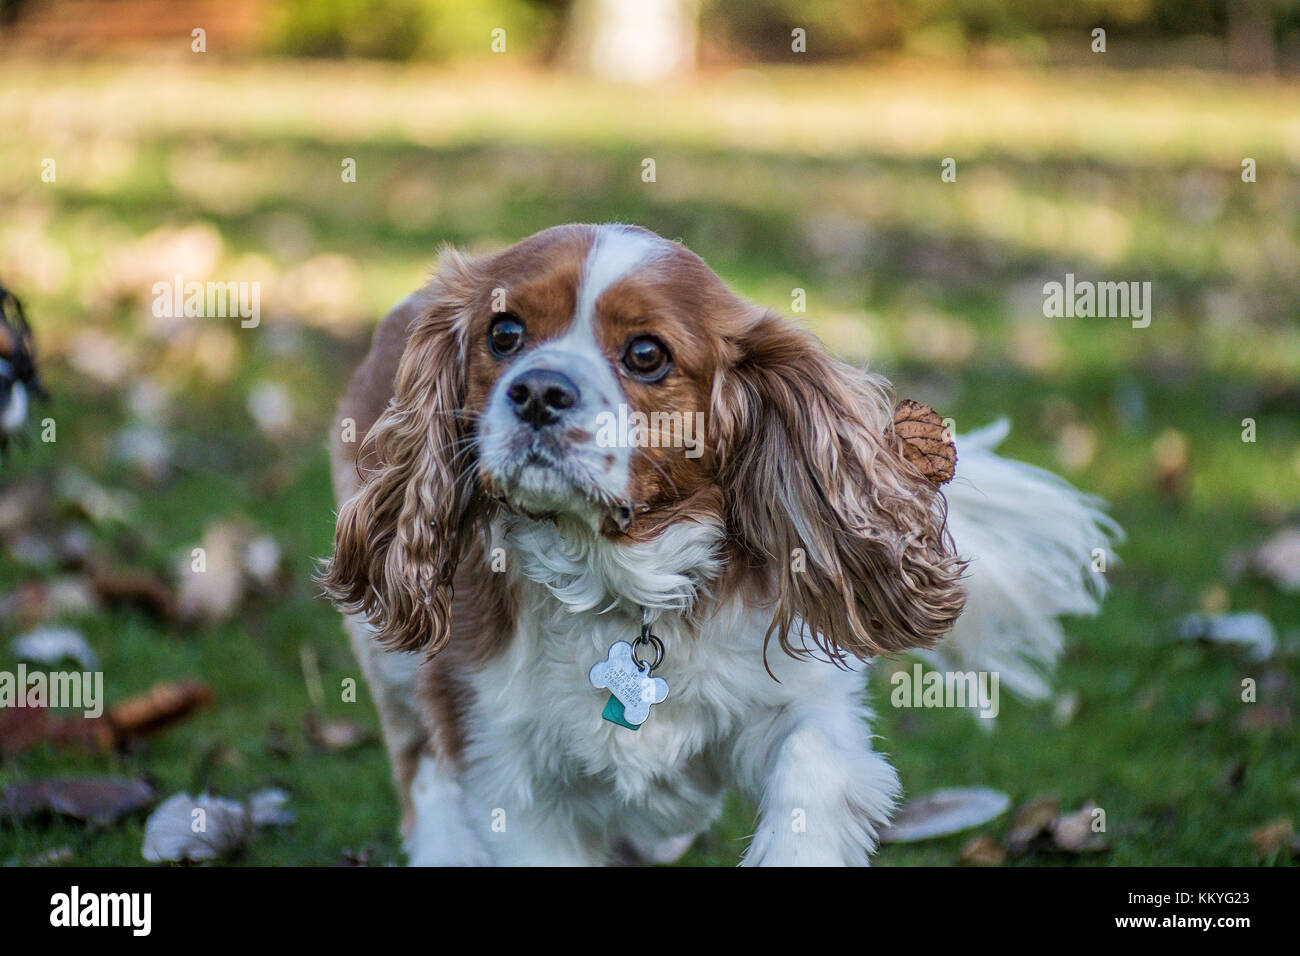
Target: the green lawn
pixel 822 180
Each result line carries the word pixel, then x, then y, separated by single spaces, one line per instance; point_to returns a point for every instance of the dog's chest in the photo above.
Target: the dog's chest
pixel 546 699
pixel 538 716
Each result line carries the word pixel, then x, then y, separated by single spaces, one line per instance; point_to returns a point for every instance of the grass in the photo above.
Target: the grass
pixel 822 180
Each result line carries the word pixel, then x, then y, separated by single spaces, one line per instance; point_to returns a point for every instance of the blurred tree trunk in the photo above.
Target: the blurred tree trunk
pixel 634 41
pixel 1250 36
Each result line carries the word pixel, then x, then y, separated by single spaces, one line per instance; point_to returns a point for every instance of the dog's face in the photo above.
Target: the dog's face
pixel 588 375
pixel 604 374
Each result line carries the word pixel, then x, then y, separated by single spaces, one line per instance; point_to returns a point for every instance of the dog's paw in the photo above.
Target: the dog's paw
pixel 445 852
pixel 668 850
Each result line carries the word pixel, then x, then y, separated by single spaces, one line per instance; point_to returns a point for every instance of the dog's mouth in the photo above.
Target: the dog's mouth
pixel 542 481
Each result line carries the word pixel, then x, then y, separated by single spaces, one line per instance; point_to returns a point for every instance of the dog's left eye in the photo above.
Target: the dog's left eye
pixel 647 358
pixel 505 335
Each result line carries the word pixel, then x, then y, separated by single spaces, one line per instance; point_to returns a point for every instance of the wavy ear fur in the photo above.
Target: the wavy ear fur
pixel 398 540
pixel 848 537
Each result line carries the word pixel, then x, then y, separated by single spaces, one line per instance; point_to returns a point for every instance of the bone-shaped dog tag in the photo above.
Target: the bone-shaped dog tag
pixel 632 689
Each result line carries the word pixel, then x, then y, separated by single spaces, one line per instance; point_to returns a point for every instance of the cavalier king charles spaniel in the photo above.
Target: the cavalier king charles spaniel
pixel 614 541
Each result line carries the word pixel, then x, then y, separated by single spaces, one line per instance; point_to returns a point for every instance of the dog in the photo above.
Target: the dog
pixel 582 625
pixel 19 381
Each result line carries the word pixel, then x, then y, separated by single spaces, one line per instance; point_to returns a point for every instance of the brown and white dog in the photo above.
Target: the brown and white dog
pixel 588 432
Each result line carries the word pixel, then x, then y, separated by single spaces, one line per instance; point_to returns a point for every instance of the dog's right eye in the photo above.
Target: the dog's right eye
pixel 505 335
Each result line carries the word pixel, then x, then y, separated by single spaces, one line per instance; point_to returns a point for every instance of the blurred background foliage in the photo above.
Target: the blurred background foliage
pixel 1243 35
pixel 818 172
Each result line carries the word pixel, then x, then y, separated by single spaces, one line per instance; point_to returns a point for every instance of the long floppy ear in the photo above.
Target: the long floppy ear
pixel 398 540
pixel 848 536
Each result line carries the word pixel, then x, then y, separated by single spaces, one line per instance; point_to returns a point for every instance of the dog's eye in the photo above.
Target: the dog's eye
pixel 647 358
pixel 505 335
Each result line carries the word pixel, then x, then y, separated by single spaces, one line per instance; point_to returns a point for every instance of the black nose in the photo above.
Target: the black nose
pixel 539 395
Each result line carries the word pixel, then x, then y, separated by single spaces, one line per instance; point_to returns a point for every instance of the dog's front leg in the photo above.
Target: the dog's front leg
pixel 823 793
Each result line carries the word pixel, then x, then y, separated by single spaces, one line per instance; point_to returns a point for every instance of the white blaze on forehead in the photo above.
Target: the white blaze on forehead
pixel 615 252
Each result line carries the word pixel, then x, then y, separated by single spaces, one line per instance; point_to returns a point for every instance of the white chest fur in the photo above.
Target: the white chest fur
pixel 538 747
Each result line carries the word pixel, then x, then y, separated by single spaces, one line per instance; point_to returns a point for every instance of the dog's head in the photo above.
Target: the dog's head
pixel 605 377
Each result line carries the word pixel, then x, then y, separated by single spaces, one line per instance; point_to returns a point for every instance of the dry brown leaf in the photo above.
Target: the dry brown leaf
pixel 983 850
pixel 925 441
pixel 1032 819
pixel 22 728
pixel 1273 837
pixel 157 707
pixel 141 589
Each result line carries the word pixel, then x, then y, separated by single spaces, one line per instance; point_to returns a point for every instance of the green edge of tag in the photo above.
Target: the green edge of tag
pixel 613 712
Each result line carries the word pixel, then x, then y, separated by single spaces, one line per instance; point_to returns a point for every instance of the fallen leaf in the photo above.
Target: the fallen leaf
pixel 212 582
pixel 93 501
pixel 1249 630
pixel 1074 833
pixel 156 708
pixel 33 602
pixel 22 728
pixel 944 812
pixel 54 856
pixel 51 645
pixel 142 589
pixel 925 441
pixel 1273 837
pixel 1278 559
pixel 269 808
pixel 101 800
pixel 35 552
pixel 983 850
pixel 355 857
pixel 20 504
pixel 208 827
pixel 1032 820
pixel 335 735
pixel 185 828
